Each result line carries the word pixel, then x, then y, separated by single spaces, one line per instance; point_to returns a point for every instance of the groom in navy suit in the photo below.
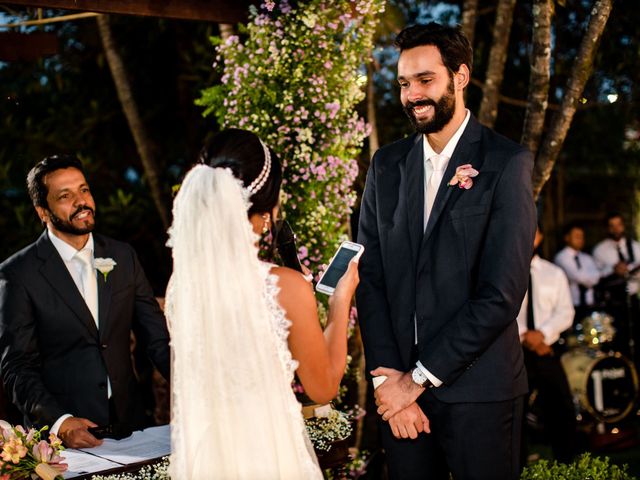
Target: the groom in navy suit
pixel 65 326
pixel 447 221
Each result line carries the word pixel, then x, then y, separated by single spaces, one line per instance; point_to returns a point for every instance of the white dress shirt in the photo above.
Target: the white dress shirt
pixel 445 155
pixel 552 306
pixel 582 271
pixel 74 266
pixel 68 255
pixel 606 256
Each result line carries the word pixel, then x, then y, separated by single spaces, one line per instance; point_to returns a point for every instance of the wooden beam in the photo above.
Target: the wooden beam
pixel 16 46
pixel 218 11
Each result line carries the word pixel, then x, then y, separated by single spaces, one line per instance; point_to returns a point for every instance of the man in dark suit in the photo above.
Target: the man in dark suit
pixel 444 273
pixel 68 303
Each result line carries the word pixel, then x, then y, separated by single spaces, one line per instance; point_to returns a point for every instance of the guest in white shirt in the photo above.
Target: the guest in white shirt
pixel 580 268
pixel 547 311
pixel 618 255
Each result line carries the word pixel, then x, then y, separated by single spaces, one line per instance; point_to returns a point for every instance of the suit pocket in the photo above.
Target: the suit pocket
pixel 473 211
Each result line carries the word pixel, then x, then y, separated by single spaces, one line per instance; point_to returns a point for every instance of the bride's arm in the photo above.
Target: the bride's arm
pixel 322 356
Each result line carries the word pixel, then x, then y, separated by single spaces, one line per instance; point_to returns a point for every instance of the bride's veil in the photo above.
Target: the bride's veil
pixel 231 401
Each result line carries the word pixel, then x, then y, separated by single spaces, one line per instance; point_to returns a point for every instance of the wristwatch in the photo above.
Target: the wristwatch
pixel 419 378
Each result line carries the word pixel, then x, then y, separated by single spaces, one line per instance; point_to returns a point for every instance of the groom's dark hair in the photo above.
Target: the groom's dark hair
pixel 453 45
pixel 35 179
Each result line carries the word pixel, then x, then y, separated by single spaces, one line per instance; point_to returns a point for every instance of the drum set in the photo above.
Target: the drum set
pixel 603 382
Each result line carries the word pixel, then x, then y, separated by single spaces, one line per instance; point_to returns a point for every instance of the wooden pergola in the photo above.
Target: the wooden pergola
pixel 218 11
pixel 19 46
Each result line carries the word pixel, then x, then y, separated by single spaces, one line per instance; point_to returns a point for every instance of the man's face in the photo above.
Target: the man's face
pixel 575 238
pixel 427 92
pixel 616 228
pixel 70 206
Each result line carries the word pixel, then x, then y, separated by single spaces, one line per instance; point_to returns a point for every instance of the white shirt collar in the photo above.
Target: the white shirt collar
pixel 66 251
pixel 448 149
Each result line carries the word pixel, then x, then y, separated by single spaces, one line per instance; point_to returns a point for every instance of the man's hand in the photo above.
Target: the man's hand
pixel 621 269
pixel 75 434
pixel 532 339
pixel 396 393
pixel 544 350
pixel 410 422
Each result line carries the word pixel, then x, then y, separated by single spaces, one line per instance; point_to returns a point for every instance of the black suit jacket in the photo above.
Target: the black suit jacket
pixel 53 359
pixel 464 278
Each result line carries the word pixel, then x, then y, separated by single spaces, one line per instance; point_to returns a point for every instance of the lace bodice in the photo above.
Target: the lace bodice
pixel 281 324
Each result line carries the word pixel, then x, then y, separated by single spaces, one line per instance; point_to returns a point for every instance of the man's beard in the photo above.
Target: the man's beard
pixel 67 227
pixel 443 111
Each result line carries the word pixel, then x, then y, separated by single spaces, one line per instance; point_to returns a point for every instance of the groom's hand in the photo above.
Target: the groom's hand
pixel 409 423
pixel 396 393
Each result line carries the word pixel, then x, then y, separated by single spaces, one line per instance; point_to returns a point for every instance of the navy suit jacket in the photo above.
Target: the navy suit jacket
pixel 464 278
pixel 53 359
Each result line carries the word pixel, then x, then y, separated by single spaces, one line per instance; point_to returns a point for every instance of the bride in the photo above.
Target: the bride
pixel 240 328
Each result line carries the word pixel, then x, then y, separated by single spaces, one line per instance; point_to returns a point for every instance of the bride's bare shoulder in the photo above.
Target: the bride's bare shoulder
pixel 293 286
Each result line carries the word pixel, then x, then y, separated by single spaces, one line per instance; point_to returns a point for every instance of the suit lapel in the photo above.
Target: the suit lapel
pixel 465 152
pixel 413 171
pixel 104 287
pixel 55 272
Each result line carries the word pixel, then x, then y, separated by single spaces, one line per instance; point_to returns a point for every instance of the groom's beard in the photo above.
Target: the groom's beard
pixel 443 111
pixel 67 227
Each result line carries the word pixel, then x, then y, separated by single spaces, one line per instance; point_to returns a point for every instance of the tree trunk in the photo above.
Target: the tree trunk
pixel 469 15
pixel 131 112
pixel 497 58
pixel 582 69
pixel 374 143
pixel 538 97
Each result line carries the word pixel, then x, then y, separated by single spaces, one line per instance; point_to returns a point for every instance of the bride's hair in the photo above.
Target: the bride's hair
pixel 243 153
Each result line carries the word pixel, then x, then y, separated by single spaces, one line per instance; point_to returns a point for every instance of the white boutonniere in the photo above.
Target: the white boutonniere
pixel 104 266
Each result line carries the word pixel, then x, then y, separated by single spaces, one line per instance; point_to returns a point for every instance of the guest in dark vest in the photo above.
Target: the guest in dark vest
pixel 546 312
pixel 618 257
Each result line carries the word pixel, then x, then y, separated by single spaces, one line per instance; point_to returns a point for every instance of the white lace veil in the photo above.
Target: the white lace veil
pixel 232 402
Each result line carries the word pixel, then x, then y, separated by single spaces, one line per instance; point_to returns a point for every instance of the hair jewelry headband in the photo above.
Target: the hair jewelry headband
pixel 261 179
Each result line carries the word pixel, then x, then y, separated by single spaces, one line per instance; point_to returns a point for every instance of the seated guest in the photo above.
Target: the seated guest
pixel 546 312
pixel 68 303
pixel 580 268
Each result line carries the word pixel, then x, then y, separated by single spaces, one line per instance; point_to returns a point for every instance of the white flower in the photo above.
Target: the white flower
pixel 104 265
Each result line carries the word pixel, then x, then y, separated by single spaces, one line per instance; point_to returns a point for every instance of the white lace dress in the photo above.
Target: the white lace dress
pixel 281 325
pixel 231 422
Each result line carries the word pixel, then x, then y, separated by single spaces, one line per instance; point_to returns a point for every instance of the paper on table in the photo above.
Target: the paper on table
pixel 81 463
pixel 140 446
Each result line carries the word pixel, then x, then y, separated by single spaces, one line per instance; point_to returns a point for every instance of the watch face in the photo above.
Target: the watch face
pixel 418 377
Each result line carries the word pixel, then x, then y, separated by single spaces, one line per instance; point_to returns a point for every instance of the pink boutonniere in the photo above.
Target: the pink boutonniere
pixel 464 176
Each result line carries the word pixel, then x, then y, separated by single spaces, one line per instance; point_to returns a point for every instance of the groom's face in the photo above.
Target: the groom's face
pixel 70 205
pixel 427 91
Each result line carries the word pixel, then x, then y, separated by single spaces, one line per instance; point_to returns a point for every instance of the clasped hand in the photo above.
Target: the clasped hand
pixel 396 401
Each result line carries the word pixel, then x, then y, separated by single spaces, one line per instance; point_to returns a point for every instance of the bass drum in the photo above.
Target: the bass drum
pixel 606 385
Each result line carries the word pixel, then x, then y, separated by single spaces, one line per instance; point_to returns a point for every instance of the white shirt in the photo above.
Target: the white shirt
pixel 606 256
pixel 446 153
pixel 587 275
pixel 75 267
pixel 552 306
pixel 67 253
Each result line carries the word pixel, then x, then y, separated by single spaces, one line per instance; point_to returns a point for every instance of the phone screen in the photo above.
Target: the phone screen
pixel 338 266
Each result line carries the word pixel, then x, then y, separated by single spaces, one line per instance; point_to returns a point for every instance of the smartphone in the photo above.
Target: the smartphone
pixel 338 266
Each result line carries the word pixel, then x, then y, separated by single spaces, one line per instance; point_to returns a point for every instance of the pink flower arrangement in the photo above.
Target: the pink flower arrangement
pixel 24 453
pixel 464 176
